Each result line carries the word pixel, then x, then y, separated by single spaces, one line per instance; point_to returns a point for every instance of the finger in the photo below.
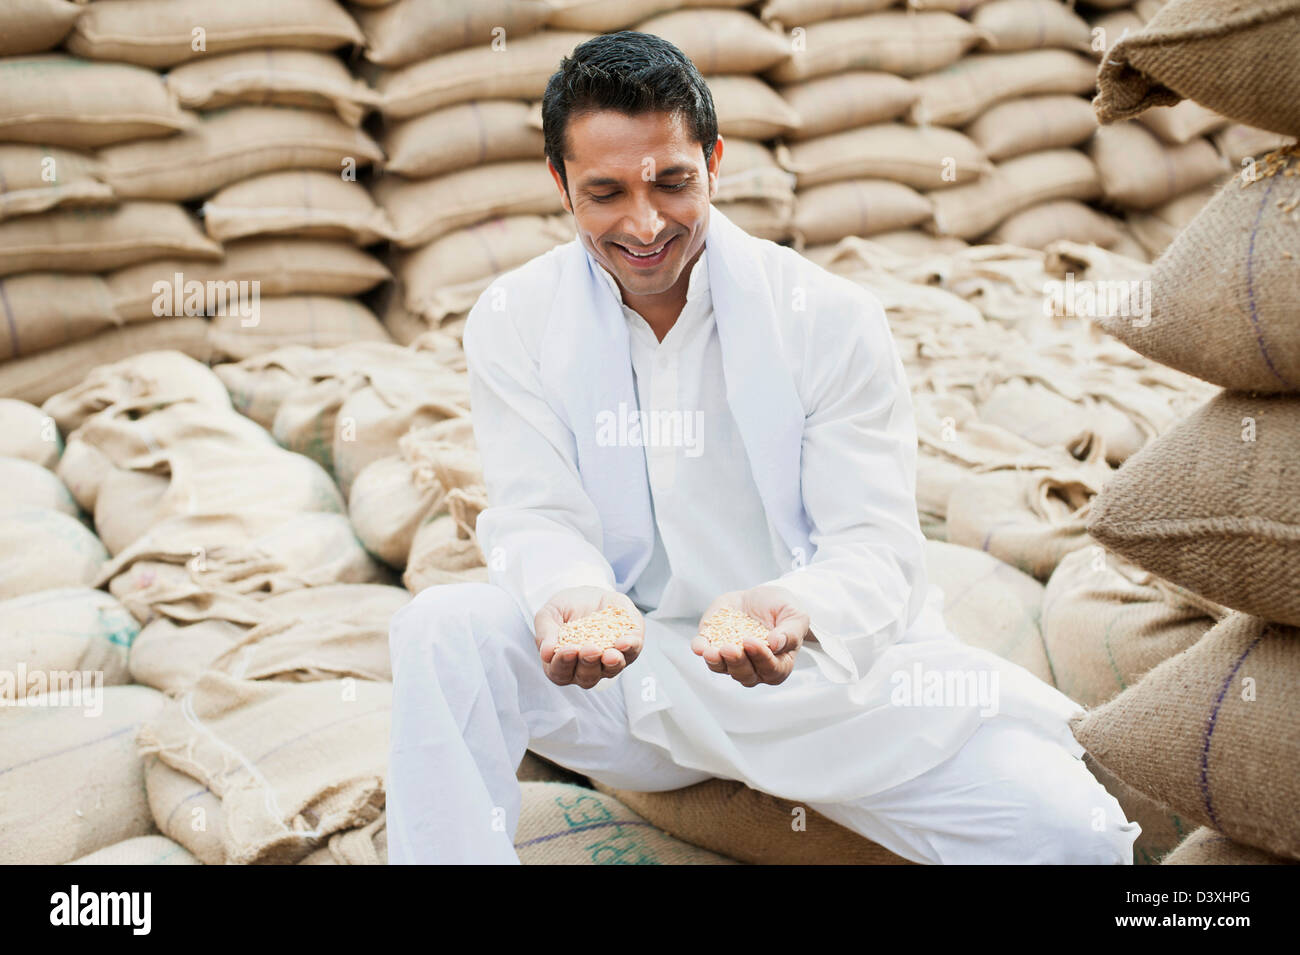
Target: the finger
pixel 562 665
pixel 547 634
pixel 699 645
pixel 587 673
pixel 714 659
pixel 761 658
pixel 788 634
pixel 612 663
pixel 738 665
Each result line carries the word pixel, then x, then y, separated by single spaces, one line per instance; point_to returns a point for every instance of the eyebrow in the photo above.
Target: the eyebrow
pixel 611 181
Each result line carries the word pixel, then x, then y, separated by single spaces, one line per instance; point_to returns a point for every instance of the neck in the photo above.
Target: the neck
pixel 661 311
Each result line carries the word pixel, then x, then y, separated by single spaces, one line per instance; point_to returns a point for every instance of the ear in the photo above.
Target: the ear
pixel 714 162
pixel 559 184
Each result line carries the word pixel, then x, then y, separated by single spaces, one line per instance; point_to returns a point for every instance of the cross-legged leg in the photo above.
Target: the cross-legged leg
pixel 469 697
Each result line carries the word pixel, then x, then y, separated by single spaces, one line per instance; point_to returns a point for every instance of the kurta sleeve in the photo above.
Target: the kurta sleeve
pixel 866 582
pixel 540 533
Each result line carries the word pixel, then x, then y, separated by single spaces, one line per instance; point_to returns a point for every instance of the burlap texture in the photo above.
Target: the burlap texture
pixel 142 850
pixel 67 629
pixel 895 41
pixel 79 179
pixel 300 202
pixel 1207 847
pixel 830 104
pixel 41 548
pixel 29 433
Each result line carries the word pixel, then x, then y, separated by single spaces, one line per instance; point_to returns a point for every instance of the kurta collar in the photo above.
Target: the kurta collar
pixel 697 292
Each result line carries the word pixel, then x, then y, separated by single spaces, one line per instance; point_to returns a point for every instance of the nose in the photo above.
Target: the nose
pixel 643 222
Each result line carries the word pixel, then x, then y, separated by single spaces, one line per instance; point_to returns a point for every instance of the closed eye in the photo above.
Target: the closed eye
pixel 675 187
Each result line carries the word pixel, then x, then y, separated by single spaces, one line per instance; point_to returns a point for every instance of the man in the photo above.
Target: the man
pixel 674 417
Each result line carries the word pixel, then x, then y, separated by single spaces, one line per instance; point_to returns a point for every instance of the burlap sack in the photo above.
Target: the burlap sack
pixel 29 433
pixel 1207 847
pixel 1107 622
pixel 67 629
pixel 1238 142
pixel 45 309
pixel 422 210
pixel 392 497
pixel 728 817
pixel 917 243
pixel 1223 294
pixel 317 321
pixel 367 845
pixel 1027 125
pixel 846 100
pixel 1213 733
pixel 410 30
pixel 259 385
pixel 101 239
pixel 59 100
pixel 448 275
pixel 1162 829
pixel 281 266
pixel 1182 123
pixel 864 207
pixel 1030 519
pixel 232 144
pixel 142 850
pixel 905 44
pixel 37 178
pixel 71 782
pixel 162 34
pixel 186 811
pixel 1049 419
pixel 748 107
pixel 1030 25
pixel 720 41
pixel 771 219
pixel 41 548
pixel 916 157
pixel 478 72
pixel 537 769
pixel 258 745
pixel 1157 229
pixel 1108 27
pixel 989 604
pixel 970 211
pixel 300 202
pixel 29 485
pixel 29 26
pixel 170 656
pixel 282 77
pixel 967 88
pixel 562 824
pixel 1139 171
pixel 1048 222
pixel 460 136
pixel 1236 59
pixel 1210 505
pixel 965 6
pixel 752 172
pixel 446 550
pixel 793 13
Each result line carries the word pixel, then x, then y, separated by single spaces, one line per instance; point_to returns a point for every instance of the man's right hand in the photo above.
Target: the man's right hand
pixel 588 665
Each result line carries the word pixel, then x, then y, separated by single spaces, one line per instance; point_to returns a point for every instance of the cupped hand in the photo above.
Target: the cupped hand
pixel 759 661
pixel 586 665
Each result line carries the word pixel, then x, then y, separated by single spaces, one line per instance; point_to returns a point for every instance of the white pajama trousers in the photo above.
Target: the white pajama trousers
pixel 470 696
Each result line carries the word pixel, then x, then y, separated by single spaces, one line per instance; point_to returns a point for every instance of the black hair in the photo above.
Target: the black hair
pixel 632 73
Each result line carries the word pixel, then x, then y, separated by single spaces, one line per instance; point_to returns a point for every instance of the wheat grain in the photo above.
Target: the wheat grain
pixel 728 627
pixel 601 629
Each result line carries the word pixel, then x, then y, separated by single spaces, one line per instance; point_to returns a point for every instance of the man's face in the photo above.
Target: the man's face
pixel 639 183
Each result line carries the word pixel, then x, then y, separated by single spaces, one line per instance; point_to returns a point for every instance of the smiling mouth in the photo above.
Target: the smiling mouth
pixel 646 256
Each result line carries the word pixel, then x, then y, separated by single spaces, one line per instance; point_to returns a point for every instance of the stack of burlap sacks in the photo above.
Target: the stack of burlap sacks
pixel 150 116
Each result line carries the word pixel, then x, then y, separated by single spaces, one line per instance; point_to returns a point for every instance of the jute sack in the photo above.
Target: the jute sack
pixel 1030 519
pixel 1162 829
pixel 1235 59
pixel 972 210
pixel 142 850
pixel 46 373
pixel 915 157
pixel 748 107
pixel 1107 622
pixel 170 656
pixel 41 548
pixel 604 16
pixel 186 811
pixel 1207 847
pixel 1223 293
pixel 446 549
pixel 965 6
pixel 259 385
pixel 477 72
pixel 1109 26
pixel 793 13
pixel 67 629
pixel 1032 123
pixel 421 210
pixel 1139 171
pixel 537 769
pixel 74 179
pixel 44 309
pixel 905 44
pixel 1048 222
pixel 1210 505
pixel 727 817
pixel 1049 419
pixel 563 824
pixel 1238 142
pixel 231 144
pixel 846 100
pixel 1182 123
pixel 720 41
pixel 956 95
pixel 281 77
pixel 991 605
pixel 461 136
pixel 1213 733
pixel 318 321
pixel 771 219
pixel 220 566
pixel 864 207
pixel 449 274
pixel 367 845
pixel 300 202
pixel 95 239
pixel 71 781
pixel 29 26
pixel 58 100
pixel 1157 229
pixel 410 30
pixel 752 172
pixel 258 745
pixel 280 266
pixel 28 432
pixel 1030 25
pixel 154 33
pixel 917 243
pixel 27 485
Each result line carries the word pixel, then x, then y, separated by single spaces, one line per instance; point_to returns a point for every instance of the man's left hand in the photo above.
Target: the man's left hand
pixel 769 661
